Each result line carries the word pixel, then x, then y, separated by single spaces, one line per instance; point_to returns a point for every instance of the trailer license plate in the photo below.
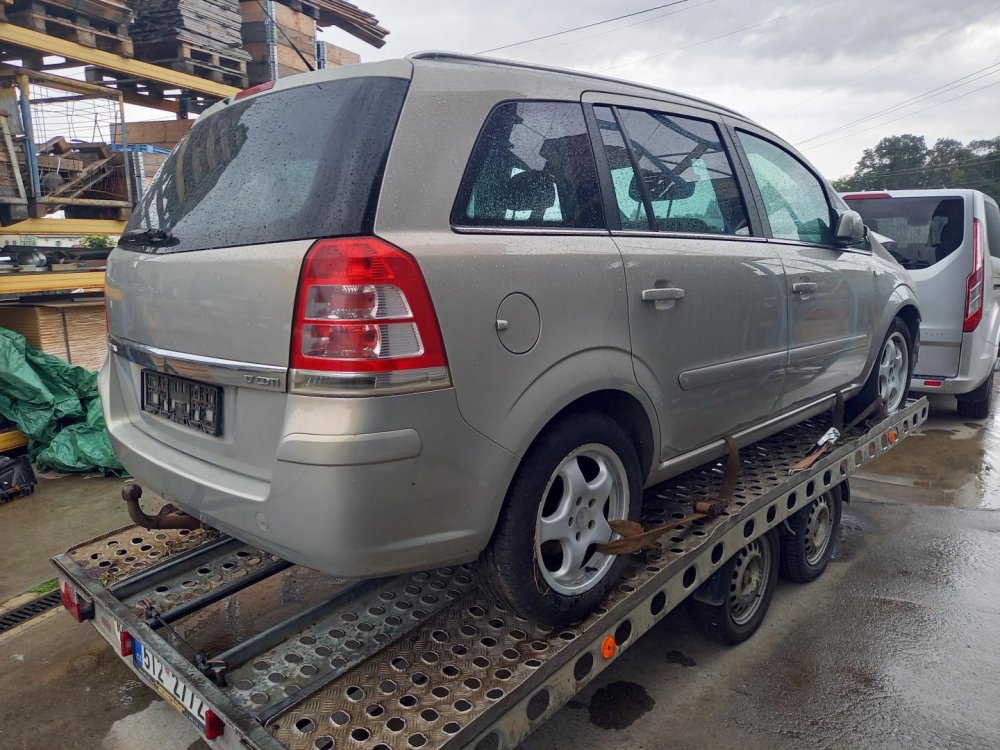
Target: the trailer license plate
pixel 187 402
pixel 169 685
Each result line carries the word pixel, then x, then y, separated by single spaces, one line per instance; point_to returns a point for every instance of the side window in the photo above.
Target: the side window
pixel 630 206
pixel 993 228
pixel 794 199
pixel 532 166
pixel 685 172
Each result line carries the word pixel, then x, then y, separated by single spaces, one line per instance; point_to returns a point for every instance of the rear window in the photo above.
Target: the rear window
pixel 926 230
pixel 298 163
pixel 532 166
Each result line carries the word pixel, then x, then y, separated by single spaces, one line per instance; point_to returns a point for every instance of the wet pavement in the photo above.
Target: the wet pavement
pixel 896 645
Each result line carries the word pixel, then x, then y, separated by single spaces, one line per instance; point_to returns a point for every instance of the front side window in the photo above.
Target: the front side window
pixel 685 174
pixel 532 166
pixel 993 229
pixel 793 197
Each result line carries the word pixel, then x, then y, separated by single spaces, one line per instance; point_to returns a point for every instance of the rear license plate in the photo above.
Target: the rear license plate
pixel 187 402
pixel 170 686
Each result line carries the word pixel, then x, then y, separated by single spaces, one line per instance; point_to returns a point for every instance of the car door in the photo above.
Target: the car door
pixel 705 293
pixel 830 289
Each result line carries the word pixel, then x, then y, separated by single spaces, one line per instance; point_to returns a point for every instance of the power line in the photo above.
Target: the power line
pixel 720 36
pixel 912 100
pixel 887 62
pixel 901 117
pixel 585 26
pixel 610 31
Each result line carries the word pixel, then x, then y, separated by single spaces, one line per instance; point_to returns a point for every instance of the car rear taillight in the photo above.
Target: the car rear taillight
pixel 74 603
pixel 364 321
pixel 974 284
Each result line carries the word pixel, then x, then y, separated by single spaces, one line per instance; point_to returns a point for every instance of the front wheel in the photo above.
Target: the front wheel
pixel 890 377
pixel 542 562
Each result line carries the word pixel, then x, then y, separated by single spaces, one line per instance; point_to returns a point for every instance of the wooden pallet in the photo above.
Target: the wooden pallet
pixel 237 78
pixel 175 49
pixel 65 23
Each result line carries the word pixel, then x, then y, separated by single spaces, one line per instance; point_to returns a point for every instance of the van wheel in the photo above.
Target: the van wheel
pixel 542 562
pixel 890 376
pixel 752 574
pixel 977 404
pixel 807 548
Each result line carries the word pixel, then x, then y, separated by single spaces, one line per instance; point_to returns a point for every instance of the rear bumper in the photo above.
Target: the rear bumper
pixel 977 360
pixel 421 490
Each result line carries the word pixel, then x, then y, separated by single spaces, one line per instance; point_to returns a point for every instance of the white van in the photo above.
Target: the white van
pixel 949 241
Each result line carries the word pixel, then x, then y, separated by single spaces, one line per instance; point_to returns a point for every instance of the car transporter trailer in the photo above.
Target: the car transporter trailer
pixel 259 653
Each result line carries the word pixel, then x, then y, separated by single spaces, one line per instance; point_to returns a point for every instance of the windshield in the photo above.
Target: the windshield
pixel 298 163
pixel 926 230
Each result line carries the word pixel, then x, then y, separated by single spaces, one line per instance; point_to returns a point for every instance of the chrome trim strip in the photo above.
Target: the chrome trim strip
pixel 463 229
pixel 199 367
pixel 356 384
pixel 686 235
pixel 726 371
pixel 827 348
pixel 679 464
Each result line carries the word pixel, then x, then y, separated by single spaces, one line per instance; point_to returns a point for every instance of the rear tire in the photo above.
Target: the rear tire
pixel 887 380
pixel 977 404
pixel 813 531
pixel 541 563
pixel 747 597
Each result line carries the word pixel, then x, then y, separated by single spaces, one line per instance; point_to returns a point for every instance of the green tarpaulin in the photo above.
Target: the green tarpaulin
pixel 57 406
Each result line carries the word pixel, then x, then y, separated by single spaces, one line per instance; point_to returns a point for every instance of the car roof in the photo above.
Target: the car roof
pixel 584 81
pixel 923 193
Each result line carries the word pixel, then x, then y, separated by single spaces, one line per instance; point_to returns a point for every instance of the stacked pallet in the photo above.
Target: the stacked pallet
pixel 73 331
pixel 200 37
pixel 101 24
pixel 350 18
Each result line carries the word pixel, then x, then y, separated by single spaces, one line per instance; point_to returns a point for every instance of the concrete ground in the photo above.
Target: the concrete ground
pixel 897 645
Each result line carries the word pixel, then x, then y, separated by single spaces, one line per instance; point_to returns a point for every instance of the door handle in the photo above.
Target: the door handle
pixel 656 295
pixel 804 287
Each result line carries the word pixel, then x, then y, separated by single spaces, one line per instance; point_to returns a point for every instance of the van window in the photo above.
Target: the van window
pixel 926 230
pixel 993 228
pixel 532 166
pixel 793 197
pixel 297 163
pixel 685 172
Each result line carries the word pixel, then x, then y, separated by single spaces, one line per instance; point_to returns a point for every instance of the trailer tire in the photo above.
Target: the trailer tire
pixel 978 403
pixel 811 536
pixel 533 576
pixel 738 617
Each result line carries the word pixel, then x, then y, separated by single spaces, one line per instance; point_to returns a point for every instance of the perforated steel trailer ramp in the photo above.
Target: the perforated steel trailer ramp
pixel 425 659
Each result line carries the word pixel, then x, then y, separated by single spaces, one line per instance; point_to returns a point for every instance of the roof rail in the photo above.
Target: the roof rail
pixel 482 60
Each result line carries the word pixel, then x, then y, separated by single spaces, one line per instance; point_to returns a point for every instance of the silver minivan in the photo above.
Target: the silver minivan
pixel 405 314
pixel 949 240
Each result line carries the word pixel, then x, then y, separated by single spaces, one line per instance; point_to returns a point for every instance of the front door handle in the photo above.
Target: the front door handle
pixel 658 294
pixel 804 287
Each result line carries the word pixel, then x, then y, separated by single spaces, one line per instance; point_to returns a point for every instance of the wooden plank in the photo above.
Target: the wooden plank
pixel 12 439
pixel 70 227
pixel 16 284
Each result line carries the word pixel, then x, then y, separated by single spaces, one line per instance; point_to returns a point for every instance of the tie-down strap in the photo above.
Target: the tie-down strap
pixel 633 538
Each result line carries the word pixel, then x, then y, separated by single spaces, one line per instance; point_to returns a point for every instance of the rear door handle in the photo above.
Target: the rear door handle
pixel 804 287
pixel 655 295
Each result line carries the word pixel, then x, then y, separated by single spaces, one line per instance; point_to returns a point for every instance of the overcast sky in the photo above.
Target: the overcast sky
pixel 806 66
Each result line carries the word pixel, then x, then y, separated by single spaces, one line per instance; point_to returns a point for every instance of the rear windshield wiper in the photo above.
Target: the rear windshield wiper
pixel 147 237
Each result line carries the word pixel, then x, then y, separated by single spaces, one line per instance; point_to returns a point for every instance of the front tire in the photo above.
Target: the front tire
pixel 542 563
pixel 977 404
pixel 890 376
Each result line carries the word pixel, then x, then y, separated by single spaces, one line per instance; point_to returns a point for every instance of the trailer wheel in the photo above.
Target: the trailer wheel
pixel 812 534
pixel 542 562
pixel 751 576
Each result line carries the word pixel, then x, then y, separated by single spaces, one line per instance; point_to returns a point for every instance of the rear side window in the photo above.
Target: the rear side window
pixel 793 197
pixel 926 230
pixel 993 228
pixel 532 166
pixel 686 174
pixel 298 163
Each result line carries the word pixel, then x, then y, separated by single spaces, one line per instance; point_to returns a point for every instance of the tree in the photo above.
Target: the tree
pixel 97 242
pixel 900 162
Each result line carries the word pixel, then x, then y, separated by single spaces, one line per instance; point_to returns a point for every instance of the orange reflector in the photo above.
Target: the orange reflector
pixel 608 647
pixel 892 437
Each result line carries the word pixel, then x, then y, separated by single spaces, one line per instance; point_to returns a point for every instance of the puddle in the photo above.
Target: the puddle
pixel 949 462
pixel 618 704
pixel 678 657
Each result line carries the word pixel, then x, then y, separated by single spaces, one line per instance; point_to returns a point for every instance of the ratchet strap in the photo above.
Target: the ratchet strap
pixel 633 538
pixel 837 428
